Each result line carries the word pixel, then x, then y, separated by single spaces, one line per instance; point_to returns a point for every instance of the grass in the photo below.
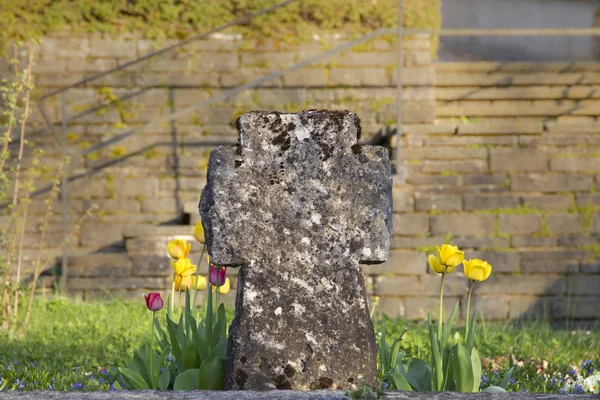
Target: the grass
pixel 76 346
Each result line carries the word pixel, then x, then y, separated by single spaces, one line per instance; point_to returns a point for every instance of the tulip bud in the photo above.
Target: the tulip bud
pixel 199 232
pixel 477 270
pixel 179 248
pixel 183 267
pixel 154 302
pixel 217 275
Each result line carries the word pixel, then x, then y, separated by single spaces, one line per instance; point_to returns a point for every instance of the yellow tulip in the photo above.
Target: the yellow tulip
pixel 199 232
pixel 183 267
pixel 179 248
pixel 477 270
pixel 225 288
pixel 448 257
pixel 188 282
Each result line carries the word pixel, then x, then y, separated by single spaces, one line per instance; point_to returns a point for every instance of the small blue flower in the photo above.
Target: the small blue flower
pixel 586 364
pixel 553 382
pixel 78 385
pixel 9 367
pixel 101 381
pixel 496 372
pixel 112 386
pixel 169 358
pixel 485 379
pixel 52 380
pixel 571 372
pixel 50 387
pixel 32 365
pixel 512 381
pixel 578 388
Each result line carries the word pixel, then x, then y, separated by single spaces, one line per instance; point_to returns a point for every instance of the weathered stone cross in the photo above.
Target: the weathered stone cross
pixel 297 205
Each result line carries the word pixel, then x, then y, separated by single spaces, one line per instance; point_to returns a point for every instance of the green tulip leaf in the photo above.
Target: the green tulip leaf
pixel 506 379
pixel 133 379
pixel 191 357
pixel 449 384
pixel 447 329
pixel 462 370
pixel 476 366
pixel 175 343
pixel 187 380
pixel 493 389
pixel 220 349
pixel 211 375
pixel 141 364
pixel 165 378
pixel 436 359
pixel 399 379
pixel 471 335
pixel 419 375
pixel 208 317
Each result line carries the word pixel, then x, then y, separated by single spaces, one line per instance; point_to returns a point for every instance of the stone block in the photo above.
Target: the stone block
pixel 587 199
pixel 550 182
pixel 417 308
pixel 216 62
pixel 577 241
pixel 100 235
pixel 409 224
pixel 276 98
pixel 359 77
pixel 439 202
pixel 64 48
pixel 564 224
pixel 455 284
pixel 412 113
pixel 462 166
pixel 137 188
pixel 533 241
pixel 411 243
pixel 521 160
pixel 462 224
pixel 113 48
pixel 152 264
pixel 590 267
pixel 530 307
pixel 519 224
pixel 114 206
pixel 418 76
pixel 501 127
pixel 369 59
pixel 306 77
pixel 490 201
pixel 133 283
pixel 595 227
pixel 584 284
pixel 485 180
pixel 268 61
pixel 548 201
pixel 490 308
pixel 575 164
pixel 400 263
pixel 554 254
pixel 397 286
pixel 501 261
pixel 443 153
pixel 523 285
pixel 402 199
pixel 472 242
pixel 170 65
pixel 391 307
pixel 99 264
pixel 575 307
pixel 549 266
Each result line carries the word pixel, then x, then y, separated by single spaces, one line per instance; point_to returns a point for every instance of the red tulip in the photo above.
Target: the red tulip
pixel 154 302
pixel 217 275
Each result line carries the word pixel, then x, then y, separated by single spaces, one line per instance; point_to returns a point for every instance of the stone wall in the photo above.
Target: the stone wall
pixel 510 172
pixel 507 170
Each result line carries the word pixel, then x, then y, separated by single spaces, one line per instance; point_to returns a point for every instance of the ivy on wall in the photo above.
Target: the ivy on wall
pixel 180 18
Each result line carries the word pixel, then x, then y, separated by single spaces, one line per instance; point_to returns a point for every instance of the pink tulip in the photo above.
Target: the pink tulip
pixel 154 302
pixel 217 275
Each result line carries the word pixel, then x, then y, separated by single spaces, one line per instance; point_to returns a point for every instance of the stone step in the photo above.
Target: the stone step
pixel 563 92
pixel 522 67
pixel 476 78
pixel 99 264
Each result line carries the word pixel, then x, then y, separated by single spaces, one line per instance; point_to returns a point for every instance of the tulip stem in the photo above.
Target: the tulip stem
pixel 172 299
pixel 471 284
pixel 440 315
pixel 151 355
pixel 197 273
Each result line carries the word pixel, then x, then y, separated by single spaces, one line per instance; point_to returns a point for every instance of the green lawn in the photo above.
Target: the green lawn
pixel 73 345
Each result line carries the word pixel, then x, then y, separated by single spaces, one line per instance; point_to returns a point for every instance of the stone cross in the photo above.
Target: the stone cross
pixel 297 204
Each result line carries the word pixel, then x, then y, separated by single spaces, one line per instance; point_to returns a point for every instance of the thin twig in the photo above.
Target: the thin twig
pixel 28 82
pixel 36 268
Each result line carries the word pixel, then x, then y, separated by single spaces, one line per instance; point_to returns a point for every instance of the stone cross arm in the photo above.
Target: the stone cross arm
pixel 293 180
